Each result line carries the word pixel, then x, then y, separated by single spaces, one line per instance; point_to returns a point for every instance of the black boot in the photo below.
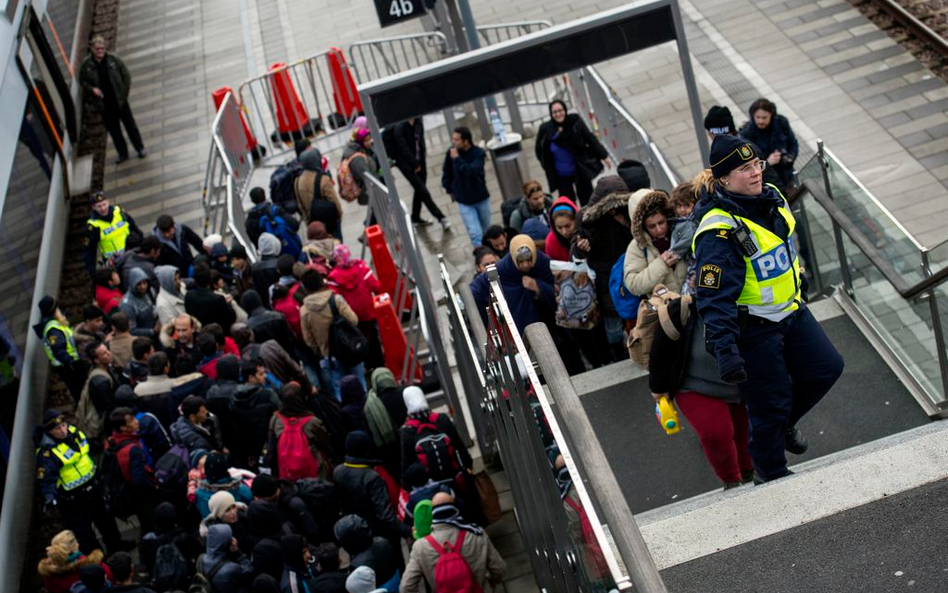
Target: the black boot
pixel 795 442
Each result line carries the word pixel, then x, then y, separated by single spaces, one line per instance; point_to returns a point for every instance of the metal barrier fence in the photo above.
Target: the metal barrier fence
pixel 299 100
pixel 560 509
pixel 229 168
pixel 414 287
pixel 468 337
pixel 618 131
pixel 378 58
pixel 539 93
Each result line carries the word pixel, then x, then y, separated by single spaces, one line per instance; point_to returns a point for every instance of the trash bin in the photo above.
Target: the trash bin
pixel 510 164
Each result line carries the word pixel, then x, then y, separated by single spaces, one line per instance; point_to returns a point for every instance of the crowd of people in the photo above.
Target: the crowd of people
pixel 242 412
pixel 623 268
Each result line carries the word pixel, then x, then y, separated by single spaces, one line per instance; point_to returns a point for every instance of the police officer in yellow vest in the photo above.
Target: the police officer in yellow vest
pixel 69 482
pixel 107 230
pixel 60 346
pixel 751 295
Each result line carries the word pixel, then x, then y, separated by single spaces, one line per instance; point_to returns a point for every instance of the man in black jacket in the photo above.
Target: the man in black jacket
pixel 267 325
pixel 196 429
pixel 292 508
pixel 206 305
pixel 410 153
pixel 363 492
pixel 176 242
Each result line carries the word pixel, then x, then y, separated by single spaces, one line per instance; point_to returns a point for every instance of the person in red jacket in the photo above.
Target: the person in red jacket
pixel 107 289
pixel 135 462
pixel 563 225
pixel 356 283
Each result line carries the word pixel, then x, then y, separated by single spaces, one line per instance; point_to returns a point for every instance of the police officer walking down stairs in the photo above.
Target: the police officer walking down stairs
pixel 751 297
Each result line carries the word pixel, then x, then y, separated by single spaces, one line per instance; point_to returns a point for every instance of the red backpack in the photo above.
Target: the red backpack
pixel 291 310
pixel 434 449
pixel 452 574
pixel 294 457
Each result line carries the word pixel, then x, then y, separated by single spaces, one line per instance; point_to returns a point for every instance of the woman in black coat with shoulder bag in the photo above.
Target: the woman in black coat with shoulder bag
pixel 571 155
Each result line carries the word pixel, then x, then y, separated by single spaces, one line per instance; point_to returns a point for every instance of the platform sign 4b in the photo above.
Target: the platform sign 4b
pixel 396 11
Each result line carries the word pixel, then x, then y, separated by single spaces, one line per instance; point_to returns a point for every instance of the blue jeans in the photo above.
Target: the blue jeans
pixel 333 371
pixel 476 219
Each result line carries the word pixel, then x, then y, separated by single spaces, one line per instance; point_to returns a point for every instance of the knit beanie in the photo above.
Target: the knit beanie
pixel 359 444
pixel 729 153
pixel 362 580
pixel 264 486
pixel 196 456
pixel 215 468
pixel 719 121
pixel 610 184
pixel 634 174
pixel 415 400
pixel 220 502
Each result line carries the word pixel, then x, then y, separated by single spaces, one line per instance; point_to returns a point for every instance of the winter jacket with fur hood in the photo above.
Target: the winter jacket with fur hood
pixel 644 267
pixel 608 240
pixel 58 578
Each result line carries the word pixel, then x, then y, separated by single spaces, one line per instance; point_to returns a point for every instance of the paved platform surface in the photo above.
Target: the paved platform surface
pixel 654 469
pixel 892 544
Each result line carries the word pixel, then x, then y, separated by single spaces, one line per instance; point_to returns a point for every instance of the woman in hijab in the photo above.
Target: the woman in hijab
pixel 528 287
pixel 384 412
pixel 527 283
pixel 367 163
pixel 352 279
pixel 571 155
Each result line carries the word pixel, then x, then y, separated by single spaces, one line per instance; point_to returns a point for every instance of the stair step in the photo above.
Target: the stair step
pixel 716 521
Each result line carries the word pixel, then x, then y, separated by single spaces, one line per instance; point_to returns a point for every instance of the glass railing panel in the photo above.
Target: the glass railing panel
pixel 904 325
pixel 819 254
pixel 874 221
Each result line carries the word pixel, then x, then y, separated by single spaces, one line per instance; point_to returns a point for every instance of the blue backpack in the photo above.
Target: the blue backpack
pixel 626 303
pixel 281 185
pixel 271 222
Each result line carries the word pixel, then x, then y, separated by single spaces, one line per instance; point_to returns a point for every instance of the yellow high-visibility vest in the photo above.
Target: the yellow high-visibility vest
pixel 112 234
pixel 78 466
pixel 772 275
pixel 70 341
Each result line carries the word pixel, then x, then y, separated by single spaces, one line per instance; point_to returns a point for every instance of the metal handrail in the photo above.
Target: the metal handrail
pixel 873 254
pixel 865 190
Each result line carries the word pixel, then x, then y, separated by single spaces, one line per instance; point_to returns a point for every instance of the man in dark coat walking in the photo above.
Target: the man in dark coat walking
pixel 107 81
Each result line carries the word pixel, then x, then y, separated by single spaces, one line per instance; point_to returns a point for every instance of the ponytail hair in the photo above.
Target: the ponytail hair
pixel 704 180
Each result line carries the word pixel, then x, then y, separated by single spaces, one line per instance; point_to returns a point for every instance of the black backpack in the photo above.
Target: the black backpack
pixel 282 182
pixel 346 342
pixel 508 207
pixel 171 473
pixel 118 491
pixel 434 449
pixel 171 569
pixel 321 500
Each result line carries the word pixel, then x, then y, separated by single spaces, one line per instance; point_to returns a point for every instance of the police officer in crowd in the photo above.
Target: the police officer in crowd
pixel 107 230
pixel 68 481
pixel 751 297
pixel 60 346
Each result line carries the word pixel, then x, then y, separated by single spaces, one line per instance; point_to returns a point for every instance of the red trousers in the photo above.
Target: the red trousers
pixel 722 428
